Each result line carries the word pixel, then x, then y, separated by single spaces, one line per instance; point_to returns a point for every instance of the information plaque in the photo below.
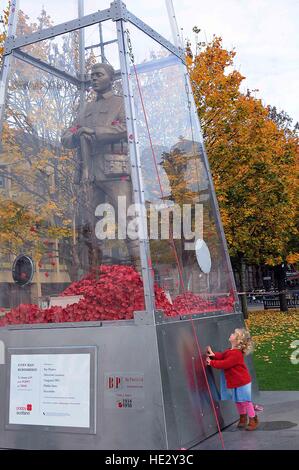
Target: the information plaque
pixel 52 388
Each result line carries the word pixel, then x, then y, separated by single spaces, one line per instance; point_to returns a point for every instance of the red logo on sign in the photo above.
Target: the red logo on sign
pixel 29 407
pixel 114 382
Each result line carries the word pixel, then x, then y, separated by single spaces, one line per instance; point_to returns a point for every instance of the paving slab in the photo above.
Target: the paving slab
pixel 278 429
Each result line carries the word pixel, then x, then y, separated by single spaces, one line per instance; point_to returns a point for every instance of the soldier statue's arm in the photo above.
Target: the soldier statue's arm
pixel 111 133
pixel 69 139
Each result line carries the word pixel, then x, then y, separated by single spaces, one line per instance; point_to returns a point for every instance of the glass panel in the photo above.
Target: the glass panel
pixel 90 6
pixel 35 15
pixel 155 15
pixel 66 177
pixel 188 255
pixel 63 52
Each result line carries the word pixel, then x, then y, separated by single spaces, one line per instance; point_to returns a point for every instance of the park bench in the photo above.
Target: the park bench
pixel 270 302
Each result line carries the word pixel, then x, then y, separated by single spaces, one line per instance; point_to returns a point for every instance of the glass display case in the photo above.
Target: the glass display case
pixel 105 182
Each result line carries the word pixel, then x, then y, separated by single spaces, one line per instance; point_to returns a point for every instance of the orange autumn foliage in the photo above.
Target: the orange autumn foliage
pixel 4 21
pixel 254 162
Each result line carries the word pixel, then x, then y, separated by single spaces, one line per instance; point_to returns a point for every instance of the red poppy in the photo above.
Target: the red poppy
pixel 74 129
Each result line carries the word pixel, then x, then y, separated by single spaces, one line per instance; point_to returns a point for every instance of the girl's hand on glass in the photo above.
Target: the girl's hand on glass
pixel 208 361
pixel 210 352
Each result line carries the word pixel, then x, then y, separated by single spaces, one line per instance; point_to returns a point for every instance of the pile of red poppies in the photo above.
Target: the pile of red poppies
pixel 192 303
pixel 189 303
pixel 226 304
pixel 110 293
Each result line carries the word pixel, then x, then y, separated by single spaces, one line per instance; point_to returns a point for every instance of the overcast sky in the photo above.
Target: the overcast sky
pixel 264 33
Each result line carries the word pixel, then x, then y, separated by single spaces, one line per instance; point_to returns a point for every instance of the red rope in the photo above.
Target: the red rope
pixel 177 259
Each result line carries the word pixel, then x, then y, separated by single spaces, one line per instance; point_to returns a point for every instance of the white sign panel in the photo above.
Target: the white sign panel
pixel 50 390
pixel 203 256
pixel 63 301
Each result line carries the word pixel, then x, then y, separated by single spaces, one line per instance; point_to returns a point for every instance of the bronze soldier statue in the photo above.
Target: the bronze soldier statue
pixel 100 136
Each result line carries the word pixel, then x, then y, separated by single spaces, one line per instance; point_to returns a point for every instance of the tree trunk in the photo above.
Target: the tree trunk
pixel 280 274
pixel 241 271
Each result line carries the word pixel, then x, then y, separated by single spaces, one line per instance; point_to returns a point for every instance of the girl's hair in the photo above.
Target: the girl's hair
pixel 245 343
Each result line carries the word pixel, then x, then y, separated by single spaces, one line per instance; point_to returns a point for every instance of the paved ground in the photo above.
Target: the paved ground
pixel 254 307
pixel 278 429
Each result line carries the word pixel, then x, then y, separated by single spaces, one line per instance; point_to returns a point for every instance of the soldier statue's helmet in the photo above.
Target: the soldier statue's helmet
pixel 107 67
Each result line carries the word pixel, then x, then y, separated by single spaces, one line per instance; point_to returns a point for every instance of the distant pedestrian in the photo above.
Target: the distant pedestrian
pixel 235 381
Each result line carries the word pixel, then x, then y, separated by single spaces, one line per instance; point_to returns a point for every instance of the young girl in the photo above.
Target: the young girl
pixel 235 381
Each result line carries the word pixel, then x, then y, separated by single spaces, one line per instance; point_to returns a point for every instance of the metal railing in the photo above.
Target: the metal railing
pixel 273 302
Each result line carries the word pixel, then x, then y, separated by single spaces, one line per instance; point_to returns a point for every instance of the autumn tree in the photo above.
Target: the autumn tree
pixel 3 27
pixel 254 162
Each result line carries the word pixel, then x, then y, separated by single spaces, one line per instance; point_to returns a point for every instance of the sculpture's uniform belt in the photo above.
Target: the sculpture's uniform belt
pixel 119 148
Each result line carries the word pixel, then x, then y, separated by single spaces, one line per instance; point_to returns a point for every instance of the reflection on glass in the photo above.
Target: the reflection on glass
pixel 64 166
pixel 99 136
pixel 62 52
pixel 41 14
pixel 154 15
pixel 177 188
pixel 66 188
pixel 35 15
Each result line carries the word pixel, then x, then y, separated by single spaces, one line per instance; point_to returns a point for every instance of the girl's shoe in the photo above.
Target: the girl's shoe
pixel 258 407
pixel 242 422
pixel 253 423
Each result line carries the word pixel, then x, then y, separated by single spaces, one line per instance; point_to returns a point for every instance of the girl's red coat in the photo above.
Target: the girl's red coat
pixel 235 370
